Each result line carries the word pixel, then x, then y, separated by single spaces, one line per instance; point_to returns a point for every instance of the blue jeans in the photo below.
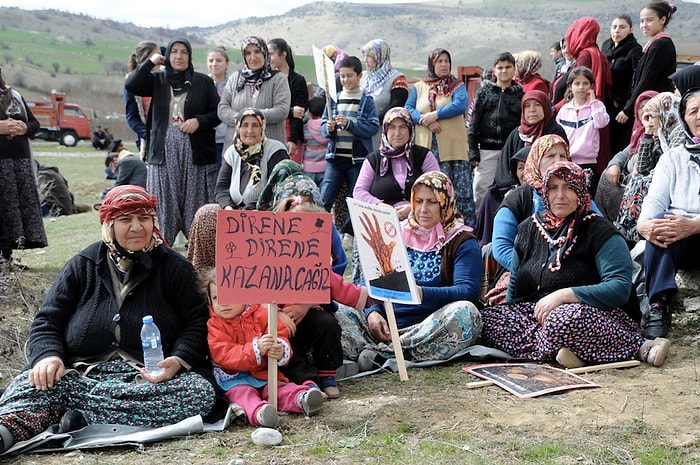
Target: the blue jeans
pixel 338 169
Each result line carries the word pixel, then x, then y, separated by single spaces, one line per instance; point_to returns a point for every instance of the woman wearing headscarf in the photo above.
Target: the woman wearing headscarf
pixel 387 86
pixel 21 225
pixel 258 86
pixel 247 162
pixel 536 120
pixel 85 352
pixel 446 262
pixel 610 188
pixel 582 45
pixel 181 145
pixel 670 218
pixel 623 53
pixel 527 65
pixel 571 274
pixel 684 79
pixel 659 118
pixel 438 105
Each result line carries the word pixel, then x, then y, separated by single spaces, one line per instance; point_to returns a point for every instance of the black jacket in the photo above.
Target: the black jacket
pixel 623 59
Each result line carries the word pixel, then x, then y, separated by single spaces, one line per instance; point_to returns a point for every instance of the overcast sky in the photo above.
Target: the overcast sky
pixel 177 14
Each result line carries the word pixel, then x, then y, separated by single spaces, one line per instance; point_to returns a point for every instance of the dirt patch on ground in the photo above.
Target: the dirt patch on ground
pixel 640 415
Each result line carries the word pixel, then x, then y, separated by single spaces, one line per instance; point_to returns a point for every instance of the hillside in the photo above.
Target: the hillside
pixel 86 57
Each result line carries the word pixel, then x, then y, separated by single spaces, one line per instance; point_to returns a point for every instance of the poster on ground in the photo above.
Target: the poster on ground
pixel 527 380
pixel 265 257
pixel 385 265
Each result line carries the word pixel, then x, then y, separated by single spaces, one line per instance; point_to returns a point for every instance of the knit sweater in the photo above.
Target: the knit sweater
pixel 84 318
pixel 315 147
pixel 273 100
pixel 495 113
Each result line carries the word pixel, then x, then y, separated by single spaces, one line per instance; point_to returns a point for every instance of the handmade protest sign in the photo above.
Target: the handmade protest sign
pixel 263 257
pixel 382 253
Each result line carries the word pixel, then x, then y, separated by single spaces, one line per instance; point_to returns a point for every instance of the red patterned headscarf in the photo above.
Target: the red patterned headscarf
pixel 561 233
pixel 127 200
pixel 529 132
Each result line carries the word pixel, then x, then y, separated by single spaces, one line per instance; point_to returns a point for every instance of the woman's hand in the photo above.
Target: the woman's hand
pixel 171 366
pixel 189 126
pixel 378 327
pixel 46 372
pixel 403 211
pixel 298 112
pixel 551 301
pixel 612 173
pixel 287 321
pixel 13 127
pixel 296 312
pixel 429 118
pixel 157 59
pixel 663 232
pixel 435 127
pixel 291 147
pixel 621 118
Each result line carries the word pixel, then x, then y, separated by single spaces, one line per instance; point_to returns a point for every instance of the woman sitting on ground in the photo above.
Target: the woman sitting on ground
pixel 571 273
pixel 446 263
pixel 84 343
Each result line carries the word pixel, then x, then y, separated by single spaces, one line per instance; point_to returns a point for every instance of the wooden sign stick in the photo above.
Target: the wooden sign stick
pixel 395 341
pixel 576 371
pixel 271 362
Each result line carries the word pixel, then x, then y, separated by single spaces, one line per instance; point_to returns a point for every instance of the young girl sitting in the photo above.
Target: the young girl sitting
pixel 582 117
pixel 240 346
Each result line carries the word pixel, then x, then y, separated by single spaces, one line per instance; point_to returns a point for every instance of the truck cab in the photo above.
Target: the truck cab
pixel 61 121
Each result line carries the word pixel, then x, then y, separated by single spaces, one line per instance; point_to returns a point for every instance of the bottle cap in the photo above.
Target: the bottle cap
pixel 147 319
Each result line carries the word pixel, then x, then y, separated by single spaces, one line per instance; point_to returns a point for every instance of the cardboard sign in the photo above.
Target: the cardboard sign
pixel 383 255
pixel 262 257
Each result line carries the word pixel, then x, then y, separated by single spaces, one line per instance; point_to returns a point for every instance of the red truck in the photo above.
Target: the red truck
pixel 61 121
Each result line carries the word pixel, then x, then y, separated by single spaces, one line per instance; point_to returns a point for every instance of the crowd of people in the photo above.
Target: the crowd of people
pixel 495 200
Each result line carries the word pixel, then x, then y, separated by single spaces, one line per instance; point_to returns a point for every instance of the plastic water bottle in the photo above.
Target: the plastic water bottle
pixel 152 346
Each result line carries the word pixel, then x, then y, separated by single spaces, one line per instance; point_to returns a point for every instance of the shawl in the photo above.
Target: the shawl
pixel 387 151
pixel 532 174
pixel 439 86
pixel 637 126
pixel 686 78
pixel 179 80
pixel 621 50
pixel 247 75
pixel 582 35
pixel 561 233
pixel 529 132
pixel 374 79
pixel 450 225
pixel 250 155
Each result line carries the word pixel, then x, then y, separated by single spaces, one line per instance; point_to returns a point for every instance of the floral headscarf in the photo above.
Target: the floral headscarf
pixel 529 132
pixel 532 174
pixel 298 186
pixel 451 223
pixel 248 76
pixel 561 233
pixel 122 201
pixel 386 150
pixel 201 250
pixel 527 62
pixel 373 79
pixel 439 86
pixel 664 107
pixel 282 170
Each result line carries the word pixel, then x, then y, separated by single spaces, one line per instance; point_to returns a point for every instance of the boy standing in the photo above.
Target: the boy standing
pixel 350 127
pixel 495 114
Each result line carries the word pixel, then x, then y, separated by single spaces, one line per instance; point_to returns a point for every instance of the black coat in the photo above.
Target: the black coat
pixel 623 60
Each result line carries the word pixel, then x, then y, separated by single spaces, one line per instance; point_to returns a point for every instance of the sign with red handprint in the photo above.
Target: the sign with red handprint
pixel 383 256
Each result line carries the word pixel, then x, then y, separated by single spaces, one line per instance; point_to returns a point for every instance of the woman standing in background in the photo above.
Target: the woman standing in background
pixel 21 225
pixel 217 64
pixel 136 107
pixel 281 59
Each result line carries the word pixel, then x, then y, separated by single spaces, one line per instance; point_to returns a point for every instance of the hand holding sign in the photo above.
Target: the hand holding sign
pixel 382 250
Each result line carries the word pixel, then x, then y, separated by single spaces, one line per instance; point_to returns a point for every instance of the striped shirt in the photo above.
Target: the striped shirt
pixel 349 106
